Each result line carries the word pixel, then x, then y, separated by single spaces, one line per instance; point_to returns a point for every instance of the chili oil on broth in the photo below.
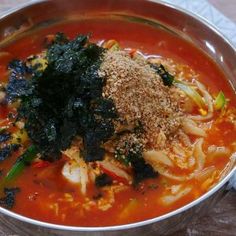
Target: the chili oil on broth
pixel 41 194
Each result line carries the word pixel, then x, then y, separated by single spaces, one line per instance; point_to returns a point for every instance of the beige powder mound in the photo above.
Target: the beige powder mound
pixel 140 96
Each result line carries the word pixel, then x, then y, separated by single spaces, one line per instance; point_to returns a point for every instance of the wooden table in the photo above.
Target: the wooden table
pixel 221 220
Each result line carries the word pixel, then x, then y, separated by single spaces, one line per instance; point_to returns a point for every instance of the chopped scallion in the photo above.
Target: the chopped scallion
pixel 24 160
pixel 220 101
pixel 192 93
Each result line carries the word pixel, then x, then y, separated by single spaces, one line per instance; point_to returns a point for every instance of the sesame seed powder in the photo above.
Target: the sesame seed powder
pixel 140 96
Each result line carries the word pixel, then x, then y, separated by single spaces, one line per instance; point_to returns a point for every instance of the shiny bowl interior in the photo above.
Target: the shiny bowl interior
pixel 29 18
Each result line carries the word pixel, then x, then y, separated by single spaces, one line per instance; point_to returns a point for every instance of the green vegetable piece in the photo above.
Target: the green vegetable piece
pixel 23 161
pixel 8 200
pixel 192 93
pixel 220 101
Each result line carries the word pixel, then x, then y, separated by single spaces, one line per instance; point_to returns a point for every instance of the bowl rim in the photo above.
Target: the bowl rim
pixel 139 223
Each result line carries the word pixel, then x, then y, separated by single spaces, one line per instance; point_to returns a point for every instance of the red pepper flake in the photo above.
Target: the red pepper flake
pixel 49 39
pixel 132 52
pixel 114 176
pixel 41 164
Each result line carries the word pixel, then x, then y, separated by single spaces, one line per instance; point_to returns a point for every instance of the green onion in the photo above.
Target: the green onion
pixel 24 160
pixel 192 93
pixel 2 129
pixel 220 101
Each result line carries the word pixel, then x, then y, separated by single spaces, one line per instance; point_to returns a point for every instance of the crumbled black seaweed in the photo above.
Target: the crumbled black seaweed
pixel 72 55
pixel 65 100
pixel 141 169
pixel 132 155
pixel 8 200
pixel 60 38
pixel 103 180
pixel 4 136
pixel 138 129
pixel 121 157
pixel 6 151
pixel 166 77
pixel 18 86
pixel 18 68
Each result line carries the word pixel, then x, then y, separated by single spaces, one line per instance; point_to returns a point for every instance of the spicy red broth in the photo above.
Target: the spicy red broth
pixel 47 196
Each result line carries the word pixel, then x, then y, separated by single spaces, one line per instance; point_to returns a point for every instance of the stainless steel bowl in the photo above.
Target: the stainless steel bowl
pixel 191 27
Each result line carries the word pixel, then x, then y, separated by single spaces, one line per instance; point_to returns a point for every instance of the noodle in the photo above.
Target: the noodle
pixel 208 100
pixel 205 173
pixel 158 157
pixel 190 127
pixel 184 138
pixel 165 172
pixel 170 199
pixel 83 175
pixel 199 154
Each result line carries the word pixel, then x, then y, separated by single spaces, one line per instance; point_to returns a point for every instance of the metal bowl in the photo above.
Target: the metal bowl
pixel 203 35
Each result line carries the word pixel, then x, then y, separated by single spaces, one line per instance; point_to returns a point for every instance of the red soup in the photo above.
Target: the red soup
pixel 124 126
